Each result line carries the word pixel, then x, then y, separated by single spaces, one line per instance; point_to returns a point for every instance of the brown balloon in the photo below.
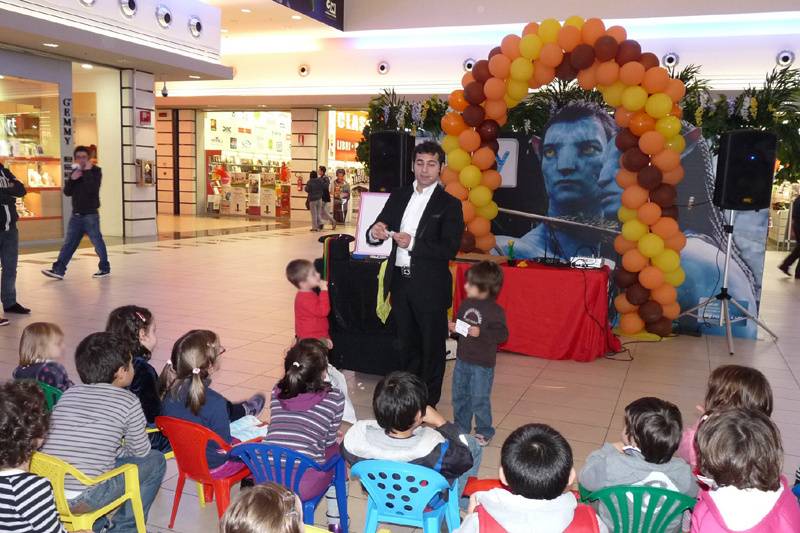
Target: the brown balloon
pixel 664 195
pixel 493 145
pixel 626 140
pixel 650 177
pixel 671 212
pixel 474 94
pixel 634 159
pixel 628 51
pixel 473 115
pixel 625 279
pixel 636 294
pixel 467 242
pixel 480 71
pixel 488 130
pixel 651 311
pixel 496 50
pixel 649 60
pixel 661 327
pixel 605 48
pixel 582 57
pixel 565 71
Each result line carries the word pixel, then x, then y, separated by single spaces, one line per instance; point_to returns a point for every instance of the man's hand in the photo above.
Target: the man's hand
pixel 474 331
pixel 379 231
pixel 402 239
pixel 76 174
pixel 451 327
pixel 323 285
pixel 433 418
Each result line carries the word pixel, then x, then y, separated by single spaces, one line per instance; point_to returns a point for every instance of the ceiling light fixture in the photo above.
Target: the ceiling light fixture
pixel 50 45
pixel 297 17
pixel 128 7
pixel 194 77
pixel 88 3
pixel 164 16
pixel 87 66
pixel 2 77
pixel 223 30
pixel 245 10
pixel 195 27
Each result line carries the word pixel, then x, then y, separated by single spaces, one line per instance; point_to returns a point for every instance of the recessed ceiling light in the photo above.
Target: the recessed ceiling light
pixel 194 77
pixel 2 77
pixel 223 30
pixel 245 10
pixel 87 66
pixel 50 45
pixel 297 17
pixel 262 105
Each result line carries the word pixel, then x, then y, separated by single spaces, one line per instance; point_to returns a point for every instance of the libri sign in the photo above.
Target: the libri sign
pixel 330 12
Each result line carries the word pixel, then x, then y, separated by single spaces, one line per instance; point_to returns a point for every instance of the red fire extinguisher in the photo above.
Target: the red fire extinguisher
pixel 300 183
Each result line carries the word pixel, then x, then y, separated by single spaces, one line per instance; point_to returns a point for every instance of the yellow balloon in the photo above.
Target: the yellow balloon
pixel 633 230
pixel 530 46
pixel 676 277
pixel 470 176
pixel 489 211
pixel 522 69
pixel 449 143
pixel 574 20
pixel 613 93
pixel 667 261
pixel 480 196
pixel 517 89
pixel 458 159
pixel 548 30
pixel 634 98
pixel 510 102
pixel 658 105
pixel 669 126
pixel 676 144
pixel 651 245
pixel 625 214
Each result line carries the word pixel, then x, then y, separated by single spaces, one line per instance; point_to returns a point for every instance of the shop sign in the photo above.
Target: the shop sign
pixel 330 12
pixel 349 128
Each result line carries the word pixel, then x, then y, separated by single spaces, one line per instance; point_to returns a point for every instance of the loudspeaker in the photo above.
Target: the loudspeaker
pixel 745 169
pixel 390 154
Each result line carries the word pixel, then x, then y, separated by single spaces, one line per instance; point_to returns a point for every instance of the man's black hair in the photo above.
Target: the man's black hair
pixel 397 400
pixel 430 147
pixel 81 148
pixel 537 462
pixel 99 356
pixel 575 111
pixel 655 425
pixel 324 169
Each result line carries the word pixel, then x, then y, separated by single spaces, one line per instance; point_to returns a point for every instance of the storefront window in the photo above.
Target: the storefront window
pixel 344 133
pixel 30 149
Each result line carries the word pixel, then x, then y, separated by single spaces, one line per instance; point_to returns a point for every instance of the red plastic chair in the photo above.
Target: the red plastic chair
pixel 189 442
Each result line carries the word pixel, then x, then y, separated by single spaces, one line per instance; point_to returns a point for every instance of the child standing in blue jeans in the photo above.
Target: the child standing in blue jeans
pixel 481 327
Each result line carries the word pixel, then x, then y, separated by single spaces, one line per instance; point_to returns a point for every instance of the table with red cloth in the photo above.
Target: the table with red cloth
pixel 552 312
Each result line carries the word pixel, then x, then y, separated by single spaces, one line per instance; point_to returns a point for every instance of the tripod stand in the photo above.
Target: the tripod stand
pixel 725 298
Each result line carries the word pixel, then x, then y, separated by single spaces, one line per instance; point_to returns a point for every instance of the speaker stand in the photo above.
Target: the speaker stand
pixel 725 298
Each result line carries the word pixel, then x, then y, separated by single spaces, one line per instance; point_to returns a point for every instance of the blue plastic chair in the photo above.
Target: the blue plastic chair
pixel 401 493
pixel 287 467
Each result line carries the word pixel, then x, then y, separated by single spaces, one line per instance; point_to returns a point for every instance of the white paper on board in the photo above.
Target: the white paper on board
pixel 462 328
pixel 371 206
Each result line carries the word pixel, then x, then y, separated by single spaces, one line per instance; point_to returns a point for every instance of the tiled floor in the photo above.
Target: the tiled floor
pixel 234 284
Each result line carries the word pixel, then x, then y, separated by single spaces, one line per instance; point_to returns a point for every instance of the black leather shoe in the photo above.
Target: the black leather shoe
pixel 17 309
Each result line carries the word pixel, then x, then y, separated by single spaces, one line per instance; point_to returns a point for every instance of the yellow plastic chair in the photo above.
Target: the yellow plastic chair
pixel 55 470
pixel 313 529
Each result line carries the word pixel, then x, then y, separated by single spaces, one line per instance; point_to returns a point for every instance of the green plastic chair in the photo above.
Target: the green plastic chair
pixel 51 394
pixel 641 509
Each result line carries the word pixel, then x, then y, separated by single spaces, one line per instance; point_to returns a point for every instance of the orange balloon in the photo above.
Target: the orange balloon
pixel 483 158
pixel 569 37
pixel 500 66
pixel 677 242
pixel 626 178
pixel 543 74
pixel 491 179
pixel 466 79
pixel 667 160
pixel 655 80
pixel 510 46
pixel 634 197
pixel 494 88
pixel 456 189
pixel 664 294
pixel 631 73
pixel 675 89
pixel 634 261
pixel 665 227
pixel 495 108
pixel 641 123
pixel 671 310
pixel 502 120
pixel 531 28
pixel 486 242
pixel 607 73
pixel 674 176
pixel 622 245
pixel 623 305
pixel 622 116
pixel 479 227
pixel 651 277
pixel 551 55
pixel 631 323
pixel 457 100
pixel 592 30
pixel 468 210
pixel 469 140
pixel 618 33
pixel 448 175
pixel 676 111
pixel 453 123
pixel 587 78
pixel 649 213
pixel 651 142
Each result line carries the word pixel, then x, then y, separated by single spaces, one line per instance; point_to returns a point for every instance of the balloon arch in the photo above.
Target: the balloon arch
pixel 646 100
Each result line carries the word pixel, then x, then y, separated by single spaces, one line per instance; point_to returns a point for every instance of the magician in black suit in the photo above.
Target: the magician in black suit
pixel 426 225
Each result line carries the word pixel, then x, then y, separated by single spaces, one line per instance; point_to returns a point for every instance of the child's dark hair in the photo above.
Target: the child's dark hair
pixel 397 399
pixel 655 425
pixel 537 462
pixel 740 448
pixel 266 507
pixel 127 322
pixel 297 271
pixel 732 386
pixel 99 356
pixel 487 276
pixel 24 422
pixel 194 357
pixel 304 368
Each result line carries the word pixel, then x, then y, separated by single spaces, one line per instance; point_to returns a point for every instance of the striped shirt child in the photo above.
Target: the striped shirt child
pixel 27 504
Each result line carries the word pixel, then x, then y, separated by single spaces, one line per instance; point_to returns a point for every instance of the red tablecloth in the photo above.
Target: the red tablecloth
pixel 554 313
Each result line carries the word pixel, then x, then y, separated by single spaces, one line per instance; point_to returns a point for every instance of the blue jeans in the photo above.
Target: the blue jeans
pixel 80 225
pixel 151 473
pixel 9 252
pixel 472 390
pixel 476 451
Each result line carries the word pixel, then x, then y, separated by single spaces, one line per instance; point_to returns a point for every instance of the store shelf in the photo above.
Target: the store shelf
pixel 39 159
pixel 26 219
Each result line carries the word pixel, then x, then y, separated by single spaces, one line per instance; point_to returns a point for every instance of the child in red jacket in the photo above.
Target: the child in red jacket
pixel 311 308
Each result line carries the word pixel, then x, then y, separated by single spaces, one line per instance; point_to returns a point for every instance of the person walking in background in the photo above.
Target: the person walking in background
pixel 341 197
pixel 326 193
pixel 795 255
pixel 10 189
pixel 83 187
pixel 316 188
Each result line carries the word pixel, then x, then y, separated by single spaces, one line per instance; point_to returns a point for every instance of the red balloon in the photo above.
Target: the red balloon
pixel 488 130
pixel 625 279
pixel 629 50
pixel 649 60
pixel 565 71
pixel 496 50
pixel 636 294
pixel 467 242
pixel 474 115
pixel 634 159
pixel 605 48
pixel 671 212
pixel 626 140
pixel 664 195
pixel 582 57
pixel 651 311
pixel 649 177
pixel 661 327
pixel 474 94
pixel 480 71
pixel 493 145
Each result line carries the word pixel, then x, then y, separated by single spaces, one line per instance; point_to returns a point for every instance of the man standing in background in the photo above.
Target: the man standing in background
pixel 10 189
pixel 341 196
pixel 795 255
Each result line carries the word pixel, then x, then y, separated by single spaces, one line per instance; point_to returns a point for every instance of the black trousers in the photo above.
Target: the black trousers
pixel 791 258
pixel 421 333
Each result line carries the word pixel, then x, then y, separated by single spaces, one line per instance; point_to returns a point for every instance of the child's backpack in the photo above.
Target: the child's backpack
pixel 584 521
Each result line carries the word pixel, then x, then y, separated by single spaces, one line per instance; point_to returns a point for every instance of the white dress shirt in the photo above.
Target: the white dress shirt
pixel 411 217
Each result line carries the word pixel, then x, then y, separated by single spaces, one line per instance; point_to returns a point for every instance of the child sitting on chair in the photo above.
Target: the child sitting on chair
pixel 268 507
pixel 40 348
pixel 536 467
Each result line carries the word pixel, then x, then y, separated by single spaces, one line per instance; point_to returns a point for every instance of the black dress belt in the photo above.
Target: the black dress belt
pixel 404 271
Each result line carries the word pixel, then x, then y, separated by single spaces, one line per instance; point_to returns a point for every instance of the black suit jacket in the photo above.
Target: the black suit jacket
pixel 436 242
